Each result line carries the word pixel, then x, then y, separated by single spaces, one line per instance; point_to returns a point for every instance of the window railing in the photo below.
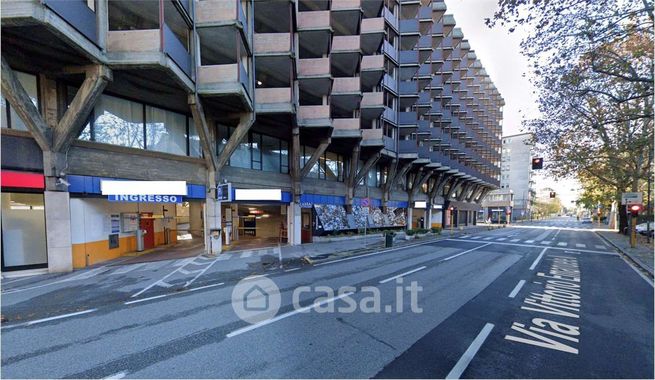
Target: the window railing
pixel 176 50
pixel 78 15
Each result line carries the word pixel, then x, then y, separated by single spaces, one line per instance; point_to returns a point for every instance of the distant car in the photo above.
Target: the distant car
pixel 644 229
pixel 586 220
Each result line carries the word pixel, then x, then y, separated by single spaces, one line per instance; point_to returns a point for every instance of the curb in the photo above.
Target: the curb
pixel 634 260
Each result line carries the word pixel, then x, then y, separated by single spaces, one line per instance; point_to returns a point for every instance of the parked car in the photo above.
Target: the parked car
pixel 586 220
pixel 644 229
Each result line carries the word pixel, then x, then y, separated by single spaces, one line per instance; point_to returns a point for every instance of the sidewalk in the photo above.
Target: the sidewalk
pixel 642 255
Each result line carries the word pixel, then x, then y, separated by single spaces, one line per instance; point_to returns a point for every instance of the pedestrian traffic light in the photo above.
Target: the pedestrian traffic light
pixel 634 210
pixel 553 194
pixel 537 163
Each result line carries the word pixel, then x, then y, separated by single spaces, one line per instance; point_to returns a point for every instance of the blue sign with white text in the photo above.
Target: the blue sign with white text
pixel 145 198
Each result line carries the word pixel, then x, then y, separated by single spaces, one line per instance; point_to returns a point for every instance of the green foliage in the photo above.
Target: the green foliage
pixel 410 232
pixel 436 230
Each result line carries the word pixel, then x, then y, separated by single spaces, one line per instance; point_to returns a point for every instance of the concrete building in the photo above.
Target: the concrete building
pixel 311 109
pixel 516 172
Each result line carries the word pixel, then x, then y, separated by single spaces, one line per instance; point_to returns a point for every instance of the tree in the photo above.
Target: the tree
pixel 592 62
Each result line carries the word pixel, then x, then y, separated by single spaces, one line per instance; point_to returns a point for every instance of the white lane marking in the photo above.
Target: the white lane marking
pixel 203 287
pixel 199 274
pixel 402 275
pixel 529 241
pixel 476 237
pixel 286 315
pixel 517 289
pixel 556 233
pixel 291 269
pixel 501 239
pixel 514 240
pixel 579 245
pixel 546 242
pixel 127 268
pixel 487 238
pixel 461 253
pixel 146 299
pixel 466 236
pixel 562 244
pixel 118 375
pixel 536 261
pixel 470 352
pixel 380 252
pixel 37 321
pixel 576 251
pixel 254 276
pixel 598 246
pixel 158 282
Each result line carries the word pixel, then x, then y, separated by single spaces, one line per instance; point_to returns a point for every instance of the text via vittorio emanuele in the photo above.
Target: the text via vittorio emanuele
pixel 557 307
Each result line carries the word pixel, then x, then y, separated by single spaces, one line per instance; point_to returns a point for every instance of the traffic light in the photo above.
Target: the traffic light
pixel 552 194
pixel 634 210
pixel 537 163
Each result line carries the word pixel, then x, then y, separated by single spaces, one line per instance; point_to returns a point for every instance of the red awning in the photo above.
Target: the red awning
pixel 22 180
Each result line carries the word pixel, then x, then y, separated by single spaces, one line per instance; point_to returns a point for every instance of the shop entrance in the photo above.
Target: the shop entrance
pixel 23 232
pixel 254 225
pixel 306 232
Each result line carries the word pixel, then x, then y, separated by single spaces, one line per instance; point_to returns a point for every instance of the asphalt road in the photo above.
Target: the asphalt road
pixel 543 300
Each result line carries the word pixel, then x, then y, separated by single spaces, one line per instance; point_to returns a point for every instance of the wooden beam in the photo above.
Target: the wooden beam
pixel 391 175
pixel 200 122
pixel 245 122
pixel 352 172
pixel 21 103
pixel 401 174
pixel 367 166
pixel 314 157
pixel 466 187
pixel 71 124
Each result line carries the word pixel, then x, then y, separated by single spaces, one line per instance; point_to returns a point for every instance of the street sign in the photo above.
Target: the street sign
pixel 224 192
pixel 632 198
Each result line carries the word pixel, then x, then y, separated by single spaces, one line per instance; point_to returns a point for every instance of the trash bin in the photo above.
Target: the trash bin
pixel 388 240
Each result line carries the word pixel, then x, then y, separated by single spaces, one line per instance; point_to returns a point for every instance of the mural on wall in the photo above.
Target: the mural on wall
pixel 334 217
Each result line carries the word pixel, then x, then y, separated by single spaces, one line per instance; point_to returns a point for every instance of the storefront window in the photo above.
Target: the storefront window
pixel 271 152
pixel 241 156
pixel 118 122
pixel 23 231
pixel 333 167
pixel 194 140
pixel 165 131
pixel 30 84
pixel 256 151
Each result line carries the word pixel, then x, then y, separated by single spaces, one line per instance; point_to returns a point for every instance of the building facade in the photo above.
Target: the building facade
pixel 516 172
pixel 322 115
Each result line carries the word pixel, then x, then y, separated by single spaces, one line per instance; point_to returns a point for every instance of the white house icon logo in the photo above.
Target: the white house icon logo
pixel 255 300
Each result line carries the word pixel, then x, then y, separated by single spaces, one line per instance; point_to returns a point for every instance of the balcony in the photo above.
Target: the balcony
pixel 346 54
pixel 150 47
pixel 314 116
pixel 390 51
pixel 221 13
pixel 274 100
pixel 372 34
pixel 409 31
pixel 267 44
pixel 390 83
pixel 346 128
pixel 371 8
pixel 372 69
pixel 390 18
pixel 408 64
pixel 225 81
pixel 314 32
pixel 75 13
pixel 346 15
pixel 407 147
pixel 372 105
pixel 314 76
pixel 346 94
pixel 407 120
pixel 372 137
pixel 389 143
pixel 390 115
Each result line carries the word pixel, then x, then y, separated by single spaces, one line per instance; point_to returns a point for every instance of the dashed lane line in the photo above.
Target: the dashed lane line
pixel 402 275
pixel 37 321
pixel 516 289
pixel 470 352
pixel 536 261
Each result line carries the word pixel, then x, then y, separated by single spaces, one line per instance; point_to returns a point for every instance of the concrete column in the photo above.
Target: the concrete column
pixel 195 219
pixel 294 224
pixel 410 217
pixel 58 231
pixel 212 221
pixel 428 216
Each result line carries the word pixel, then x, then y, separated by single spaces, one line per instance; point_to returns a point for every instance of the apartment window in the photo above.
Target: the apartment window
pixel 123 122
pixel 133 15
pixel 256 151
pixel 10 118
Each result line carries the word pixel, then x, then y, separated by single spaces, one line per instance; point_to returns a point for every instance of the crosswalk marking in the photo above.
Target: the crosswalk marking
pixel 487 238
pixel 529 241
pixel 598 246
pixel 501 239
pixel 476 237
pixel 547 242
pixel 514 240
pixel 562 244
pixel 579 245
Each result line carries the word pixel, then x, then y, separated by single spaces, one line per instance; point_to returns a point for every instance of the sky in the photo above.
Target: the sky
pixel 500 54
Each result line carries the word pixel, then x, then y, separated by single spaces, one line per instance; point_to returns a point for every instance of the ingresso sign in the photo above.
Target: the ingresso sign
pixel 117 187
pixel 257 195
pixel 145 198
